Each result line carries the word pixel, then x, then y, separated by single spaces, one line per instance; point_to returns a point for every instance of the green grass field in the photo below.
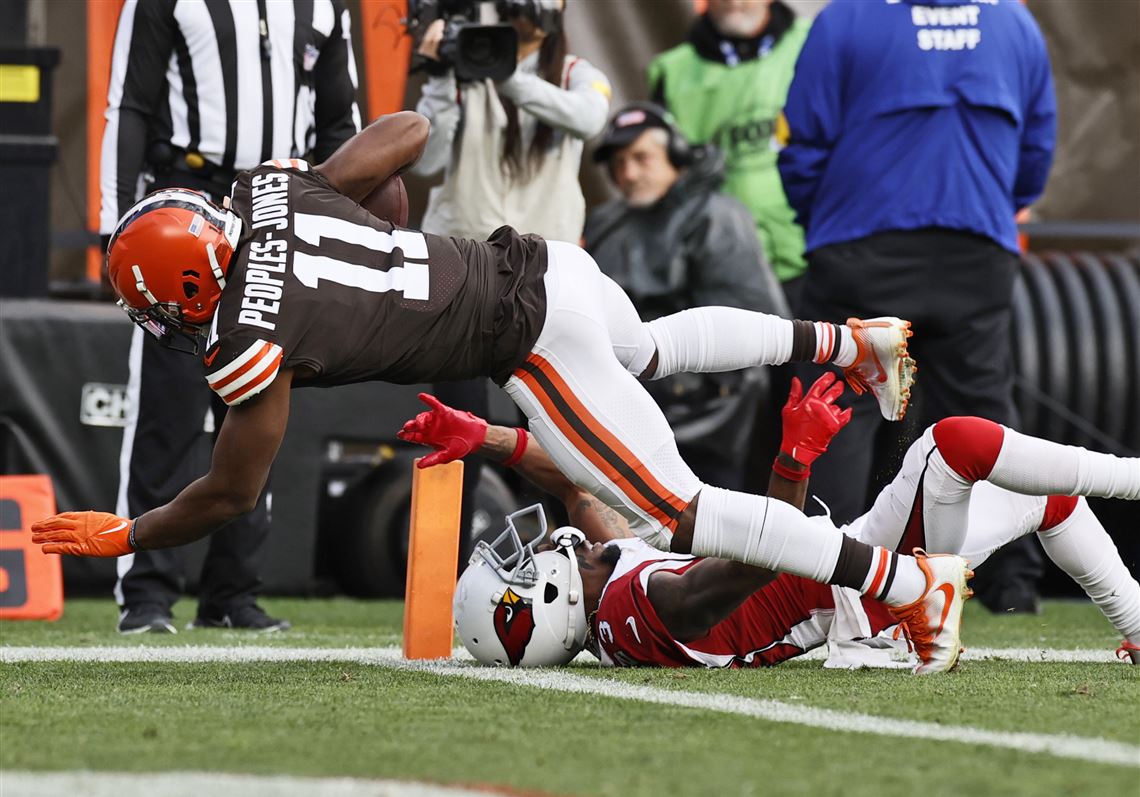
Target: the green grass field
pixel 346 718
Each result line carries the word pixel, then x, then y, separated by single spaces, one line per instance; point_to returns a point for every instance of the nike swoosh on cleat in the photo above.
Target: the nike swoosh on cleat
pixel 948 592
pixel 119 527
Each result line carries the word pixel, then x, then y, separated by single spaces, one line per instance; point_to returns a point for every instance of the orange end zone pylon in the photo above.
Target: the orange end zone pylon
pixel 31 584
pixel 433 555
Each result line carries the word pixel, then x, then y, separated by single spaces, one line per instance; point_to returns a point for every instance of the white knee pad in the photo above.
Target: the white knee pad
pixel 635 352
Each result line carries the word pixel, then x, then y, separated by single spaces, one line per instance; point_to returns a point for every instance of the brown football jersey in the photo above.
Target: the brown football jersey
pixel 321 286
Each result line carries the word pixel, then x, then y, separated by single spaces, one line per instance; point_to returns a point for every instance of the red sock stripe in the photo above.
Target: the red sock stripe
pixel 823 342
pixel 600 446
pixel 880 572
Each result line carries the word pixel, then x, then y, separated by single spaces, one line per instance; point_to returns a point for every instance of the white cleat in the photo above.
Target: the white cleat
pixel 933 622
pixel 882 364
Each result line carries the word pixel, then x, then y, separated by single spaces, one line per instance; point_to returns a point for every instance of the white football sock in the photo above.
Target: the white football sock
pixel 1032 466
pixel 711 339
pixel 777 536
pixel 848 351
pixel 1081 547
pixel 895 579
pixel 766 533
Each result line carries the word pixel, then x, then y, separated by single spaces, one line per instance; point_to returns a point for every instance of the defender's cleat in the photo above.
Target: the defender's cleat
pixel 882 363
pixel 933 622
pixel 1128 652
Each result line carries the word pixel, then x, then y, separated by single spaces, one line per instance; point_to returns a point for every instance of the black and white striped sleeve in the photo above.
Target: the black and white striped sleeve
pixel 335 80
pixel 144 42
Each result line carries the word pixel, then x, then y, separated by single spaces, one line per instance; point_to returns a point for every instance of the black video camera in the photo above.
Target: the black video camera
pixel 473 50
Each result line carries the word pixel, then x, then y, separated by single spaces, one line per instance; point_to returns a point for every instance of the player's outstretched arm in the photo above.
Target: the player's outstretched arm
pixel 455 434
pixel 246 447
pixel 388 146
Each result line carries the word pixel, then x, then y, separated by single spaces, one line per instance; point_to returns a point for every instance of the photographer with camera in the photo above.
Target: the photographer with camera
pixel 520 137
pixel 510 133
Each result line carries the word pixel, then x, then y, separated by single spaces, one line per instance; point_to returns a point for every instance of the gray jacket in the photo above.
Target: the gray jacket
pixel 696 247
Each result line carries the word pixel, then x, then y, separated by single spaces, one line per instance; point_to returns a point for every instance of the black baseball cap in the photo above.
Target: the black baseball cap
pixel 629 123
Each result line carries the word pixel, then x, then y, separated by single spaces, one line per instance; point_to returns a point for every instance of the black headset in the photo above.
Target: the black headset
pixel 679 151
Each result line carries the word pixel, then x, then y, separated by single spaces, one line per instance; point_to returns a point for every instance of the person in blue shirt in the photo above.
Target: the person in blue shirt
pixel 915 133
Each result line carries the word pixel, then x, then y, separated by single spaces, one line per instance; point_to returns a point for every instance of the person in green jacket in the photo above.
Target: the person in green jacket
pixel 726 85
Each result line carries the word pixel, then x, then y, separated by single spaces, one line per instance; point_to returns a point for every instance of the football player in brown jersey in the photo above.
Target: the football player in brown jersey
pixel 292 283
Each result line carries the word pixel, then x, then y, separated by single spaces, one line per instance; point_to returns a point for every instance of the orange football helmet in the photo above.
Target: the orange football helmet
pixel 167 260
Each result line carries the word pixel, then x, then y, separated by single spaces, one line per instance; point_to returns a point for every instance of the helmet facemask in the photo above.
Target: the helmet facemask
pixel 164 321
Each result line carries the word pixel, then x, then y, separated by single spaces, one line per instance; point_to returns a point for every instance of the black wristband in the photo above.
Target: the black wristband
pixel 131 536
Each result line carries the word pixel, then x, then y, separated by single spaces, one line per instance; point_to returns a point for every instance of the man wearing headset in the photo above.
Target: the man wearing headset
pixel 673 240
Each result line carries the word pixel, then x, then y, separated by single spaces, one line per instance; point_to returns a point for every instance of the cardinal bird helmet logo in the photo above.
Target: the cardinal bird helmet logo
pixel 514 625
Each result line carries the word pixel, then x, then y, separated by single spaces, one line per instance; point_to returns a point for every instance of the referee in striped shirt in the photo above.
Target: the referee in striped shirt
pixel 201 89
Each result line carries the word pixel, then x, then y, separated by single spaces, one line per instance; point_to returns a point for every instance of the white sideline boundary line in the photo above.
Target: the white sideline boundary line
pixel 195 784
pixel 1097 656
pixel 1058 745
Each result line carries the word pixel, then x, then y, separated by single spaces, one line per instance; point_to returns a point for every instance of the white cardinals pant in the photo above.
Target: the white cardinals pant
pixel 927 506
pixel 590 414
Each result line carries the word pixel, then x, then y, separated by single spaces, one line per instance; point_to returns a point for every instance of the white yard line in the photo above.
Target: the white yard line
pixel 383 655
pixel 1058 745
pixel 195 784
pixel 1094 656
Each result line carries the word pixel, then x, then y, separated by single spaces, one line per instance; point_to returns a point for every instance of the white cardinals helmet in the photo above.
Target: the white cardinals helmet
pixel 515 607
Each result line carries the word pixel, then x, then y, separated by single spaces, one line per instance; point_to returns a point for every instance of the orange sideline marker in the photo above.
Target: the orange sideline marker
pixel 433 555
pixel 31 584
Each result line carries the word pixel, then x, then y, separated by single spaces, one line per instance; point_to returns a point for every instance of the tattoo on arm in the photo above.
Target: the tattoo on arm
pixel 600 523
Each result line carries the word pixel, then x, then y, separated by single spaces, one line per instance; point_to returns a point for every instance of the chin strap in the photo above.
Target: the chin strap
pixel 232 231
pixel 140 285
pixel 215 267
pixel 568 538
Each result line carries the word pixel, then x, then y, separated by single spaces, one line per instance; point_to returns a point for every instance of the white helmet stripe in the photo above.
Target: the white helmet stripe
pixel 174 195
pixel 225 220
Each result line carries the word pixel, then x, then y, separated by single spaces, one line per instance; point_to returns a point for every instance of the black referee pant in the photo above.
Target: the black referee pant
pixel 167 450
pixel 956 289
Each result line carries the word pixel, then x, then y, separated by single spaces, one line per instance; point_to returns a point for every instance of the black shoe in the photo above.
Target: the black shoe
pixel 147 618
pixel 250 617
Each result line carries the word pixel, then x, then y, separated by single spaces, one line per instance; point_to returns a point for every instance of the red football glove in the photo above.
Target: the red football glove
pixel 84 534
pixel 453 434
pixel 809 424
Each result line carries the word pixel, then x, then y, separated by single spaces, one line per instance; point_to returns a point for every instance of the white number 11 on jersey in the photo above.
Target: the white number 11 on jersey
pixel 411 279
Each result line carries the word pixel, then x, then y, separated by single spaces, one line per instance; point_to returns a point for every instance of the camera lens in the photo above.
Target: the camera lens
pixel 479 50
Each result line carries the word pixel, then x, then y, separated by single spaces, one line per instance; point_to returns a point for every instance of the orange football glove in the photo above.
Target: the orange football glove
pixel 84 534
